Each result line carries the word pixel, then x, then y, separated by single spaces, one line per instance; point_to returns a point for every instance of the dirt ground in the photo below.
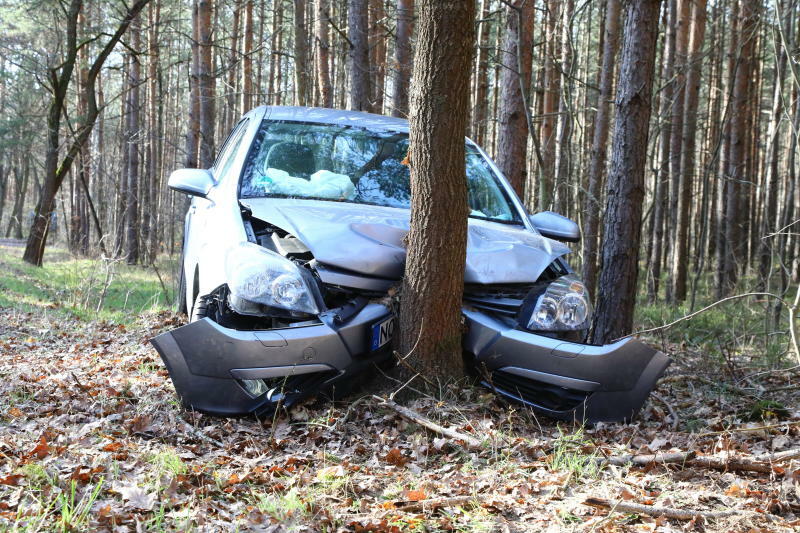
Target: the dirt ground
pixel 92 438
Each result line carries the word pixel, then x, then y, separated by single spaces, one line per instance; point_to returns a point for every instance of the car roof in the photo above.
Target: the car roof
pixel 337 117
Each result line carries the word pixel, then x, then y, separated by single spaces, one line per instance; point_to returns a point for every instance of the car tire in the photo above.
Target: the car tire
pixel 180 305
pixel 200 309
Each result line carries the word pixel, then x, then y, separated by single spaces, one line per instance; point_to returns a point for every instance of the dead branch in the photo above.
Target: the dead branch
pixel 417 418
pixel 731 463
pixel 668 512
pixel 431 505
pixel 646 459
pixel 779 456
pixel 790 423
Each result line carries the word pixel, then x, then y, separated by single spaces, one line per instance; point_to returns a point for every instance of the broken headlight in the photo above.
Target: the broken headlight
pixel 259 276
pixel 562 306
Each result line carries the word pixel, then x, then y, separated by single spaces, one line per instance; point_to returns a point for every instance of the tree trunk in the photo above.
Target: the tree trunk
pixel 481 91
pixel 625 185
pixel 738 159
pixel 377 48
pixel 357 26
pixel 552 93
pixel 597 166
pixel 247 58
pixel 132 134
pixel 206 82
pixel 430 322
pixel 564 129
pixel 676 127
pixel 301 84
pixel 662 180
pixel 402 57
pixel 515 77
pixel 680 259
pixel 193 133
pixel 323 54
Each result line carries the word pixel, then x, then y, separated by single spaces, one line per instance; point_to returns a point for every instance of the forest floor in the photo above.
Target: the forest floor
pixel 92 438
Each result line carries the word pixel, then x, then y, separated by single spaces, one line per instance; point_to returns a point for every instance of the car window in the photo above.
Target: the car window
pixel 229 149
pixel 349 164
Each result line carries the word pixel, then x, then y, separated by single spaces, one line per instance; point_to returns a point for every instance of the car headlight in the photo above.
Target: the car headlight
pixel 563 306
pixel 260 276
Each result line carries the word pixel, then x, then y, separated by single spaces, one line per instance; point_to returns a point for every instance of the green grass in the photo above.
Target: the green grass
pixel 85 288
pixel 741 326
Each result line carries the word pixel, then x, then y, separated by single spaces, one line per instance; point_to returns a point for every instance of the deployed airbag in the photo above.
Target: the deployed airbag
pixel 323 184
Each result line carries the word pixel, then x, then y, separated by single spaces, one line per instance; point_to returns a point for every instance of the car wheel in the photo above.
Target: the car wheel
pixel 200 308
pixel 181 303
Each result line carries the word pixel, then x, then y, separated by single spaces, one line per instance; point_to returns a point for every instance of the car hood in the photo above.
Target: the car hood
pixel 369 240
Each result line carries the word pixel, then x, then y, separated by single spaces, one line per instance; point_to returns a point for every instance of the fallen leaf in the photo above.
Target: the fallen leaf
pixel 414 495
pixel 41 450
pixel 395 457
pixel 135 497
pixel 12 479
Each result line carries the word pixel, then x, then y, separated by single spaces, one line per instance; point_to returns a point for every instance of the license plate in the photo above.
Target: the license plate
pixel 381 333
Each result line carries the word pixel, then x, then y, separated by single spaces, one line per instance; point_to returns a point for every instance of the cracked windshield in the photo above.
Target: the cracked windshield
pixel 325 162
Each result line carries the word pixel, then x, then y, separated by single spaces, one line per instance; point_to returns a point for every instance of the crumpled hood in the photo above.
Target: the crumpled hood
pixel 368 240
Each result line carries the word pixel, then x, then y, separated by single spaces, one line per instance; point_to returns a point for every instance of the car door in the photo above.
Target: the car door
pixel 199 227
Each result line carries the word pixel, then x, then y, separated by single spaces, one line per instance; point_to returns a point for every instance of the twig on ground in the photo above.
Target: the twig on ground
pixel 668 512
pixel 760 463
pixel 675 419
pixel 646 459
pixel 199 434
pixel 779 456
pixel 750 429
pixel 417 418
pixel 433 504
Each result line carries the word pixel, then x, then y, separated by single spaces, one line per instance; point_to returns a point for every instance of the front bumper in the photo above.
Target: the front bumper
pixel 564 380
pixel 561 379
pixel 207 362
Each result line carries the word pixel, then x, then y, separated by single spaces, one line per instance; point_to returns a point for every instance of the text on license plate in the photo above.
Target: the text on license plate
pixel 382 333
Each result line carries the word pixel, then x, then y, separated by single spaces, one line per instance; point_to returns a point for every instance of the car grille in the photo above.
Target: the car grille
pixel 502 299
pixel 535 392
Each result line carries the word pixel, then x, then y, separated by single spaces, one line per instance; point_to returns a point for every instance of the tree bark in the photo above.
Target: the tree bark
pixel 552 93
pixel 739 156
pixel 133 138
pixel 247 58
pixel 301 83
pixel 597 165
pixel 402 57
pixel 480 109
pixel 430 322
pixel 512 122
pixel 206 82
pixel 662 179
pixel 323 54
pixel 193 132
pixel 377 54
pixel 680 259
pixel 625 185
pixel 357 26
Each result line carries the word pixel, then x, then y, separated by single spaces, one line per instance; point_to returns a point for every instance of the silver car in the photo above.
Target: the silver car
pixel 294 243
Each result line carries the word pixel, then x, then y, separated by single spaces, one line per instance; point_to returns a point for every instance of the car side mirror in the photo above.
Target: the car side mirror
pixel 556 226
pixel 191 181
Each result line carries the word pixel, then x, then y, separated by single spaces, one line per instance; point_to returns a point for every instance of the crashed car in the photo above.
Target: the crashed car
pixel 294 242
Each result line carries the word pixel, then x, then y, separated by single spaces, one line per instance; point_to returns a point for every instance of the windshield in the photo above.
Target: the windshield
pixel 347 164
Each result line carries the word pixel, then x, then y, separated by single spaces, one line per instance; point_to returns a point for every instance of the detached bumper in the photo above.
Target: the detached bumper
pixel 208 363
pixel 561 379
